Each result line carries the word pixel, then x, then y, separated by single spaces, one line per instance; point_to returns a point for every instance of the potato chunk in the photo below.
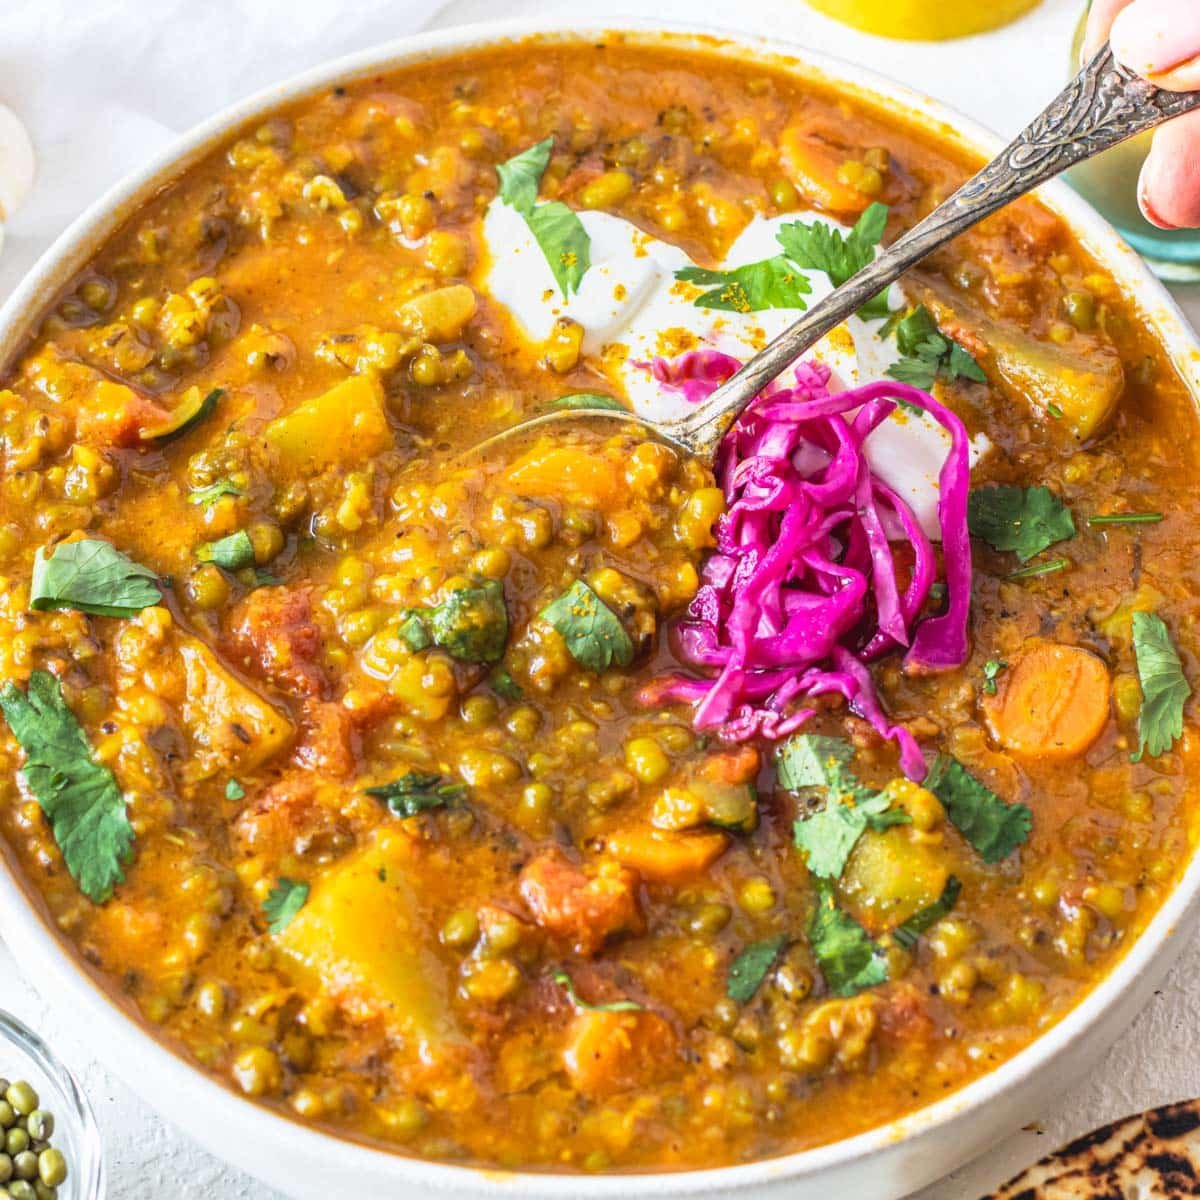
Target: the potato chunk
pixel 229 725
pixel 344 426
pixel 360 938
pixel 892 874
pixel 440 315
pixel 1084 385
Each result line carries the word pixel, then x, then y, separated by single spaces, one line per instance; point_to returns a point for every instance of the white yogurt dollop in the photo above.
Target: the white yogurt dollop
pixel 632 309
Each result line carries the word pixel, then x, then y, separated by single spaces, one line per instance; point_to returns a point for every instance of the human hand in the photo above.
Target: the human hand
pixel 1160 40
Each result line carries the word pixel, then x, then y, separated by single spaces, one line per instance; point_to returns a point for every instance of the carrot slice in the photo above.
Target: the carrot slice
pixel 1052 703
pixel 568 474
pixel 812 165
pixel 657 854
pixel 609 1052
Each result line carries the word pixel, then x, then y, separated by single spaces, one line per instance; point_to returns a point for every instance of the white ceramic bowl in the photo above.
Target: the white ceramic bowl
pixel 882 1164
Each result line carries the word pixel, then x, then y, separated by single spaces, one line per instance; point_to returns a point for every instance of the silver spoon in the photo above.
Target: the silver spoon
pixel 1102 106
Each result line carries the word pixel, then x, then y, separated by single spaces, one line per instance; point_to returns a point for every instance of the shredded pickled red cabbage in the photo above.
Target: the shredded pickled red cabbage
pixel 804 589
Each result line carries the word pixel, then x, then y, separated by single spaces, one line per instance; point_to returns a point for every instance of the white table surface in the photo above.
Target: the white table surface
pixel 1001 81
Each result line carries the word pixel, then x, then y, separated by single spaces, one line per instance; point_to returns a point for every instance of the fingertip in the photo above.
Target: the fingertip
pixel 1100 18
pixel 1169 186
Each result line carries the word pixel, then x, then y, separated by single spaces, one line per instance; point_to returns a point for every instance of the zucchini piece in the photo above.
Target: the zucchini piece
pixel 186 415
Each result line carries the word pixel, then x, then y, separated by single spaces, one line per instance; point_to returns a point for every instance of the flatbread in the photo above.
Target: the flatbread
pixel 1152 1156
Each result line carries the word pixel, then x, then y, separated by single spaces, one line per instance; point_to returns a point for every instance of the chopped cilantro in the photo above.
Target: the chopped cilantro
pixel 79 796
pixel 828 836
pixel 819 247
pixel 1165 688
pixel 586 400
pixel 416 792
pixel 1054 411
pixel 234 790
pixel 556 228
pixel 1023 520
pixel 995 829
pixel 849 960
pixel 283 902
pixel 413 630
pixel 91 576
pixel 925 918
pixel 521 175
pixel 1047 568
pixel 751 967
pixel 991 671
pixel 926 353
pixel 233 552
pixel 208 496
pixel 770 283
pixel 593 634
pixel 471 624
pixel 564 980
pixel 1134 518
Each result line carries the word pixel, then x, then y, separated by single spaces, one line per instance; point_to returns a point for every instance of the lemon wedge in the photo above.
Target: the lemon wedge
pixel 924 20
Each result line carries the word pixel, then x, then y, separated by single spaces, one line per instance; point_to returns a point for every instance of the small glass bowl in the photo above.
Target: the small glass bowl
pixel 23 1055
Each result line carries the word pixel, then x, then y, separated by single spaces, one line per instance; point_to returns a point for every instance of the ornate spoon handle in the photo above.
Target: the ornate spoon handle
pixel 1103 105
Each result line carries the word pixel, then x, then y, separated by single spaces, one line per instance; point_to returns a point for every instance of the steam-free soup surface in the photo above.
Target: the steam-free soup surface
pixel 365 806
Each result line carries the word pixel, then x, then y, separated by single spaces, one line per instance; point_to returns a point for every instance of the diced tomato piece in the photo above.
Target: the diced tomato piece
pixel 328 740
pixel 272 633
pixel 584 909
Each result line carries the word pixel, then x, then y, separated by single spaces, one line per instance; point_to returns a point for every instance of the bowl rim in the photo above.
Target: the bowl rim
pixel 134 1054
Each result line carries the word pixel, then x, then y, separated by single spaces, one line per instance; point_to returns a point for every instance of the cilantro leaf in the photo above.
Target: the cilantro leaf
pixel 563 241
pixel 233 552
pixel 916 372
pixel 829 835
pixel 414 631
pixel 283 902
pixel 849 960
pixel 594 635
pixel 925 918
pixel 234 790
pixel 751 967
pixel 556 228
pixel 416 792
pixel 995 829
pixel 819 247
pixel 208 496
pixel 769 283
pixel 962 365
pixel 79 796
pixel 521 176
pixel 1165 688
pixel 587 400
pixel 564 980
pixel 927 352
pixel 1023 520
pixel 92 576
pixel 471 624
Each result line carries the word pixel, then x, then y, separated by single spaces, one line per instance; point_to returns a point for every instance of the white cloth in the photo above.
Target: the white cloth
pixel 103 84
